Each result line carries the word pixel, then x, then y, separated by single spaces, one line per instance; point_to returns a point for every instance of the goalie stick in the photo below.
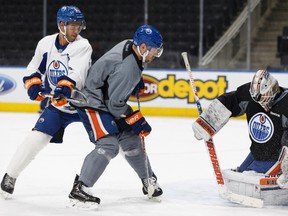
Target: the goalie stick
pixel 210 143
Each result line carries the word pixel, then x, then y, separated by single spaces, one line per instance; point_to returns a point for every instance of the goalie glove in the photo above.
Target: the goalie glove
pixel 211 121
pixel 138 123
pixel 63 90
pixel 33 84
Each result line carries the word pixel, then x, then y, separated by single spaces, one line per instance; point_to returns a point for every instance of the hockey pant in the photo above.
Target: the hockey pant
pixel 250 163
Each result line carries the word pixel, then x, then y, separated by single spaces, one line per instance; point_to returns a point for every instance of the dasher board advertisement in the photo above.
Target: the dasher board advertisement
pixel 167 92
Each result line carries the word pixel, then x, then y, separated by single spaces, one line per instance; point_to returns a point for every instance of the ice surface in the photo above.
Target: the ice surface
pixel 180 162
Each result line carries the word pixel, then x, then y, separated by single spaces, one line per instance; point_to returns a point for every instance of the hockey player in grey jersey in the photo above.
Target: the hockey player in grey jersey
pixel 109 121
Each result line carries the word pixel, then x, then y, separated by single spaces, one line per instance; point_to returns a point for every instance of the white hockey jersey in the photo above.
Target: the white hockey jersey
pixel 52 61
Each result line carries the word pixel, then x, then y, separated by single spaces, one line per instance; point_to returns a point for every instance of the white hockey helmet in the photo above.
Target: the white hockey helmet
pixel 263 89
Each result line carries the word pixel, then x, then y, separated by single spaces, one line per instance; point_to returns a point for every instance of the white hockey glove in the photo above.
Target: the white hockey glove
pixel 211 121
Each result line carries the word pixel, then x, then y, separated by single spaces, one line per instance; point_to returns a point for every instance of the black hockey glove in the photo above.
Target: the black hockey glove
pixel 138 123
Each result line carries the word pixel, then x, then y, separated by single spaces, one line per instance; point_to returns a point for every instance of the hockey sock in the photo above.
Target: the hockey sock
pixel 26 152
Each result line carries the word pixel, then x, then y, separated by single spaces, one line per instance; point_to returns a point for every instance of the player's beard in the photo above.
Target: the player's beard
pixel 72 38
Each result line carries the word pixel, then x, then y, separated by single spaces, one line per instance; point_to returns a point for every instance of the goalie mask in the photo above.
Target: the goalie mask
pixel 263 89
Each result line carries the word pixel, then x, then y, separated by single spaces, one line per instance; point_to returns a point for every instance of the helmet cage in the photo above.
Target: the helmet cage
pixel 263 89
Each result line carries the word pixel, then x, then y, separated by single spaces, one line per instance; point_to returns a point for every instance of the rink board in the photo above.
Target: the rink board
pixel 167 92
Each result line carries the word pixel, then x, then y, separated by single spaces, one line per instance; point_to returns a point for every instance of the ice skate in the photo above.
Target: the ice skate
pixel 7 186
pixel 151 188
pixel 80 197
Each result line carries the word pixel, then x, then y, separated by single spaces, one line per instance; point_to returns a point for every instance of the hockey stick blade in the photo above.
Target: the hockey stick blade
pixel 210 143
pixel 73 203
pixel 155 199
pixel 5 195
pixel 150 189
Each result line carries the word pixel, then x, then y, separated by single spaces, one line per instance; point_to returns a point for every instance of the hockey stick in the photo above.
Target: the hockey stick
pixel 76 96
pixel 210 143
pixel 150 188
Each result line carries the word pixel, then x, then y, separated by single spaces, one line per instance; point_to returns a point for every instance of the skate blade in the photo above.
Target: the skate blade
pixel 4 195
pixel 155 199
pixel 151 191
pixel 82 205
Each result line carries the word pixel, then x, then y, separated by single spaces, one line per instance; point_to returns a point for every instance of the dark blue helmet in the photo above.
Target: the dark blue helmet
pixel 68 14
pixel 150 36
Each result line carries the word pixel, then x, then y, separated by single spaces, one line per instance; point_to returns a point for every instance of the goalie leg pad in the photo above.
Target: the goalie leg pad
pixel 282 181
pixel 211 120
pixel 276 168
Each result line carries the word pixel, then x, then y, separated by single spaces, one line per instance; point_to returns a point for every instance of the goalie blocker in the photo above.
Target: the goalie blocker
pixel 211 121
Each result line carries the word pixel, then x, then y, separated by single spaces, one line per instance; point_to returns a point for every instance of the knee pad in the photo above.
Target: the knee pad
pixel 108 151
pixel 131 145
pixel 133 152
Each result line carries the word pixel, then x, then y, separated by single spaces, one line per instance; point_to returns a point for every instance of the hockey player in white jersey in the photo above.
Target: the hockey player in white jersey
pixel 60 64
pixel 110 122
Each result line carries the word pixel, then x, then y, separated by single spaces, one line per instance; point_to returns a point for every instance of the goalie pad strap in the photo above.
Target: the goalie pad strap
pixel 276 168
pixel 206 126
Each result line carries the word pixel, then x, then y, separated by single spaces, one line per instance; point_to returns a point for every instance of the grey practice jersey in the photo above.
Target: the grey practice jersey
pixel 111 80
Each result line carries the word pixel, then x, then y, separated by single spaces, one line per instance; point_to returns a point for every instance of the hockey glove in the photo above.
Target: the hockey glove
pixel 63 90
pixel 138 123
pixel 211 121
pixel 33 84
pixel 139 89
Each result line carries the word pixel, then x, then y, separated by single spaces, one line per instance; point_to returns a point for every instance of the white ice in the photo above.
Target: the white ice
pixel 180 161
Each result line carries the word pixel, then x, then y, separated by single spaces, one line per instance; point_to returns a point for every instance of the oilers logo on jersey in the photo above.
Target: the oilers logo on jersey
pixel 261 128
pixel 56 69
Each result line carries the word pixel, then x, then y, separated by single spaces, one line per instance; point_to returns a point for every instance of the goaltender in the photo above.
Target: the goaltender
pixel 265 104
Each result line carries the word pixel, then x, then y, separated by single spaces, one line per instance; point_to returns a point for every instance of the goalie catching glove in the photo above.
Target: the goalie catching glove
pixel 33 84
pixel 138 123
pixel 211 121
pixel 63 90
